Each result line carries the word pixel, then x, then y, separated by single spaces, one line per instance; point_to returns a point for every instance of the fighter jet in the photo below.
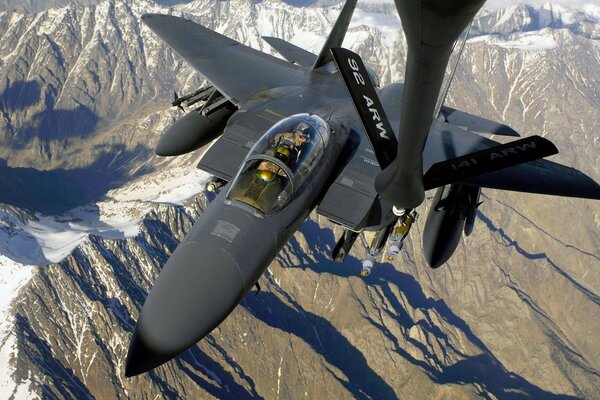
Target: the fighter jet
pixel 315 132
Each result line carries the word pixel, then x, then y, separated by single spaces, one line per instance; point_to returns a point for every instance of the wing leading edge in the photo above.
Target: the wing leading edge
pixel 237 71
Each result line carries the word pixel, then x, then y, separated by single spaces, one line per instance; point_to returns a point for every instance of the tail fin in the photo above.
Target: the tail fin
pixel 290 52
pixel 336 37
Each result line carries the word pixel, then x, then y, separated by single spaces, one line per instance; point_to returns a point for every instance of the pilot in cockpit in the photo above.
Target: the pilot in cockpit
pixel 300 135
pixel 287 147
pixel 282 152
pixel 265 184
pixel 297 137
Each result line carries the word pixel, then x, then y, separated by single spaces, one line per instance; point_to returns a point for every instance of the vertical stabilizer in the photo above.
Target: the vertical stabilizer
pixel 336 37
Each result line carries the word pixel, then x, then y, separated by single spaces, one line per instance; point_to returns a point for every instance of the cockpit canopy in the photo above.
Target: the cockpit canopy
pixel 279 163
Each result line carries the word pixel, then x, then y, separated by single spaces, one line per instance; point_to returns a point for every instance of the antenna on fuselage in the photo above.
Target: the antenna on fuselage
pixel 328 119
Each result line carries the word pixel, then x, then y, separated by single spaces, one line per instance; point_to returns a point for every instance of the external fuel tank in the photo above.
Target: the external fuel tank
pixel 192 131
pixel 451 207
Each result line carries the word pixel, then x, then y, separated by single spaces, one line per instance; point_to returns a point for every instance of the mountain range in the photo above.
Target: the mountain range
pixel 89 215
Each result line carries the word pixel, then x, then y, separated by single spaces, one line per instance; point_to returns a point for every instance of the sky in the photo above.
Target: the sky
pixel 505 3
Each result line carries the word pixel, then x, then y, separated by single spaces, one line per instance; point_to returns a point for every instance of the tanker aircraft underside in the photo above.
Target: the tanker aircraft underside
pixel 315 132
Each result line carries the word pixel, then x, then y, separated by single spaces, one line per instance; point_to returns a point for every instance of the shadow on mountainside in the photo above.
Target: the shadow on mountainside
pixel 211 376
pixel 59 190
pixel 321 335
pixel 540 256
pixel 50 123
pixel 484 369
pixel 56 191
pixel 70 387
pixel 198 366
pixel 20 95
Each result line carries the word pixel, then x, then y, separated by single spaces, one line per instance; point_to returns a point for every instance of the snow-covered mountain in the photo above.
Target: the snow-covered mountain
pixel 84 95
pixel 580 19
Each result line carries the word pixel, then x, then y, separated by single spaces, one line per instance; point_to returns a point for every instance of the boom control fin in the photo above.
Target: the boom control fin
pixel 367 104
pixel 488 160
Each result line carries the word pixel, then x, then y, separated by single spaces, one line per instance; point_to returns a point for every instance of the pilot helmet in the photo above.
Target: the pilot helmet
pixel 303 131
pixel 282 153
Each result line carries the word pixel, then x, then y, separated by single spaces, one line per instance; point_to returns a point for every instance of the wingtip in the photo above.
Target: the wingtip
pixel 505 130
pixel 550 147
pixel 148 16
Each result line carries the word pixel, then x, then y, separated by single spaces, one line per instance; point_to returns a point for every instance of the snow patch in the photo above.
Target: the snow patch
pixel 15 18
pixel 309 41
pixel 592 10
pixel 279 377
pixel 388 24
pixel 13 276
pixel 569 13
pixel 530 41
pixel 52 22
pixel 173 186
pixel 49 239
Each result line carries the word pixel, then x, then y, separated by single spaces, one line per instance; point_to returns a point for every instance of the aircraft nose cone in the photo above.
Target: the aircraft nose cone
pixel 196 290
pixel 141 357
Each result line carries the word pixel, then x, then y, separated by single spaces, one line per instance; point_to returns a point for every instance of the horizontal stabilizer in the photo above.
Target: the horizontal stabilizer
pixel 475 123
pixel 367 105
pixel 290 52
pixel 488 160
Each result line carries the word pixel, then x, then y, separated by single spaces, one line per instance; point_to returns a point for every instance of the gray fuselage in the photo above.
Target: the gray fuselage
pixel 232 244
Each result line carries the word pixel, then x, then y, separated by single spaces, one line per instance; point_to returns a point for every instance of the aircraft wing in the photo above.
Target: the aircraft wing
pixel 235 70
pixel 475 123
